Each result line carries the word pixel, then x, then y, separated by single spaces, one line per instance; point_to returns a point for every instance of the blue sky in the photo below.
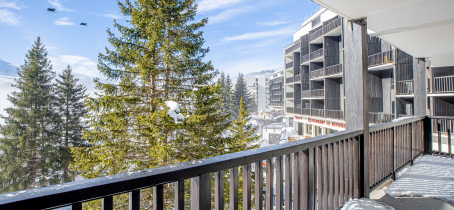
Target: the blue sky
pixel 243 35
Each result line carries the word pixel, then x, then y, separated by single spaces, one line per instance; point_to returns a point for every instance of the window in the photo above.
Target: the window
pixel 309 129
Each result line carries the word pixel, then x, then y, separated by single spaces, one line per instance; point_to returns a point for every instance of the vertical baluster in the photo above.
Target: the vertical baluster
pixel 279 183
pixel 107 203
pixel 336 175
pixel 319 179
pixel 247 187
pixel 269 202
pixel 288 182
pixel 449 140
pixel 350 171
pixel 218 191
pixel 134 200
pixel 382 154
pixel 158 197
pixel 356 167
pixel 371 167
pixel 296 184
pixel 234 188
pixel 325 176
pixel 393 152
pixel 374 174
pixel 304 185
pixel 258 185
pixel 439 135
pixel 76 206
pixel 346 171
pixel 331 176
pixel 201 192
pixel 341 173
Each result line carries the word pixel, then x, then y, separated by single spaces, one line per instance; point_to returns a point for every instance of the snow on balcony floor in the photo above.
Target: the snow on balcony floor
pixel 429 177
pixel 365 204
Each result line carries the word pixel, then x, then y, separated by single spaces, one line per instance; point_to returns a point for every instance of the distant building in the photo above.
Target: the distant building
pixel 257 88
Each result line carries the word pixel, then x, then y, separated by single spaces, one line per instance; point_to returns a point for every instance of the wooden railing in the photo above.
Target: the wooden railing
pixel 335 69
pixel 319 93
pixel 318 112
pixel 293 47
pixel 381 58
pixel 325 171
pixel 289 65
pixel 375 118
pixel 317 73
pixel 305 58
pixel 332 25
pixel 404 87
pixel 444 84
pixel 316 54
pixel 315 34
pixel 335 114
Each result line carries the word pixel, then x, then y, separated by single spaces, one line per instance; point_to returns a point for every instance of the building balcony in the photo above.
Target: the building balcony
pixel 317 74
pixel 335 114
pixel 404 87
pixel 328 27
pixel 306 111
pixel 333 70
pixel 316 54
pixel 288 80
pixel 318 112
pixel 305 58
pixel 376 118
pixel 314 35
pixel 319 93
pixel 289 109
pixel 382 58
pixel 293 47
pixel 289 95
pixel 297 110
pixel 297 78
pixel 289 65
pixel 277 103
pixel 306 94
pixel 444 84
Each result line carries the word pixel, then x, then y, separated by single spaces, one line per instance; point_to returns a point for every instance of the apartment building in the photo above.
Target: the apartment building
pixel 314 78
pixel 258 87
pixel 275 90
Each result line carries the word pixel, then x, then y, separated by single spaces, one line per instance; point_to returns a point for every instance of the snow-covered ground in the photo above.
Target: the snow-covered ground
pixel 365 204
pixel 430 177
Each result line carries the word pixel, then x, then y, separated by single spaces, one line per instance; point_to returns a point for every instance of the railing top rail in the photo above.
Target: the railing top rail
pixel 317 50
pixel 441 117
pixel 444 76
pixel 290 45
pixel 380 53
pixel 410 80
pixel 396 122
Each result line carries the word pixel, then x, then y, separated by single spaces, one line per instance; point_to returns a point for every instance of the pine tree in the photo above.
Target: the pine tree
pixel 160 107
pixel 228 95
pixel 29 146
pixel 72 111
pixel 241 91
pixel 243 132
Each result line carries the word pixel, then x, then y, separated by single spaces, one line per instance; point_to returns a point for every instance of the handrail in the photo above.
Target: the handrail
pixel 315 34
pixel 289 65
pixel 444 84
pixel 381 58
pixel 334 69
pixel 316 54
pixel 332 25
pixel 405 87
pixel 305 58
pixel 292 47
pixel 317 73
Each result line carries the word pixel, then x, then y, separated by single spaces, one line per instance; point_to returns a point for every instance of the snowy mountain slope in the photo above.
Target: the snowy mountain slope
pixel 7 69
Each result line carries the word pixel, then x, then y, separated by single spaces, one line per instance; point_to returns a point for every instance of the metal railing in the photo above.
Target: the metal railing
pixel 332 25
pixel 297 78
pixel 332 70
pixel 335 114
pixel 289 109
pixel 318 112
pixel 288 80
pixel 306 94
pixel 376 118
pixel 444 84
pixel 289 95
pixel 404 87
pixel 289 65
pixel 316 54
pixel 305 58
pixel 275 98
pixel 317 73
pixel 381 58
pixel 312 164
pixel 312 13
pixel 297 110
pixel 279 103
pixel 306 111
pixel 319 93
pixel 293 47
pixel 315 34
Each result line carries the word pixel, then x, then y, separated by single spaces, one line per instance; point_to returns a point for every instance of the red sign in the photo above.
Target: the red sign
pixel 298 118
pixel 322 122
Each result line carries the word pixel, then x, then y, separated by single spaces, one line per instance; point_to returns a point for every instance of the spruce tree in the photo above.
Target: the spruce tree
pixel 160 105
pixel 243 132
pixel 72 111
pixel 228 97
pixel 241 91
pixel 29 143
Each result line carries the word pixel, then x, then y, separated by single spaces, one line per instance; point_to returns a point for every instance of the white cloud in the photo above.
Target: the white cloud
pixel 79 64
pixel 12 5
pixel 9 18
pixel 273 23
pixel 208 5
pixel 250 65
pixel 258 47
pixel 114 15
pixel 63 22
pixel 285 31
pixel 57 4
pixel 227 14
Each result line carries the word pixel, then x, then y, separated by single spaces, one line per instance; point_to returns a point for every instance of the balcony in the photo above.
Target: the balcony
pixel 376 118
pixel 315 34
pixel 444 84
pixel 318 113
pixel 319 93
pixel 306 94
pixel 275 98
pixel 404 87
pixel 317 73
pixel 332 25
pixel 289 109
pixel 381 58
pixel 297 110
pixel 292 47
pixel 333 70
pixel 289 95
pixel 289 65
pixel 335 114
pixel 288 80
pixel 297 78
pixel 279 92
pixel 305 58
pixel 306 111
pixel 277 103
pixel 316 54
pixel 369 165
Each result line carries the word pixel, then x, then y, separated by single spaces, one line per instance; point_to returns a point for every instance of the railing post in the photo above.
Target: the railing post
pixel 312 179
pixel 427 135
pixel 201 192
